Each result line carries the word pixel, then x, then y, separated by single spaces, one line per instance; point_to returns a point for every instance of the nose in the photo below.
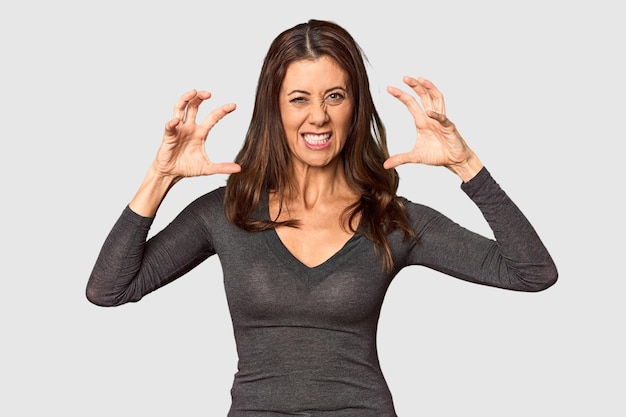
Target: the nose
pixel 318 114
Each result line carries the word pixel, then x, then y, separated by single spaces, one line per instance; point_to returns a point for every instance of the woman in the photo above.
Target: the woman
pixel 309 229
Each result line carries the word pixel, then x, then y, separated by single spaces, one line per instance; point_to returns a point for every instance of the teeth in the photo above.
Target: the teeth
pixel 316 139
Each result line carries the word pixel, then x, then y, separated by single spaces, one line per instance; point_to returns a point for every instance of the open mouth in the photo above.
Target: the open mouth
pixel 316 141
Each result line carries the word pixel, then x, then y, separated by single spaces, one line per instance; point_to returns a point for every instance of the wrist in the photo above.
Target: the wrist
pixel 159 178
pixel 467 169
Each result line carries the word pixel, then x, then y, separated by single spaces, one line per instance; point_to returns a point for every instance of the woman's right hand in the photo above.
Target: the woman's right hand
pixel 182 152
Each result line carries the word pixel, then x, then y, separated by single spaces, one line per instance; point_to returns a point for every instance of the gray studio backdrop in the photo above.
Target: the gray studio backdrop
pixel 536 88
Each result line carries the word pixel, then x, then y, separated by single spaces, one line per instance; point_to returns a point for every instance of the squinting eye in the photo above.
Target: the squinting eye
pixel 298 101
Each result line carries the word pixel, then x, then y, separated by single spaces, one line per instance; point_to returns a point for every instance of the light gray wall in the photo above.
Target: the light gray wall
pixel 535 87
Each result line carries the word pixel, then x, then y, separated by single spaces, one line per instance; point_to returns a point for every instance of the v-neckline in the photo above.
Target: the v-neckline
pixel 310 275
pixel 284 255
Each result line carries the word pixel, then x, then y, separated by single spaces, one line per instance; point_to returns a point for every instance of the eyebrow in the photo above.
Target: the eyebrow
pixel 326 91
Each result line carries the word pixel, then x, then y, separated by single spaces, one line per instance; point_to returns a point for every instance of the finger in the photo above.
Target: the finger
pixel 408 100
pixel 194 104
pixel 421 91
pixel 396 160
pixel 170 127
pixel 181 105
pixel 217 114
pixel 441 118
pixel 435 96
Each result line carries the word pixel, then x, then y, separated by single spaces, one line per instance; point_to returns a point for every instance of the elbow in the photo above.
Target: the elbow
pixel 551 276
pixel 552 279
pixel 94 297
pixel 542 281
pixel 101 298
pixel 544 285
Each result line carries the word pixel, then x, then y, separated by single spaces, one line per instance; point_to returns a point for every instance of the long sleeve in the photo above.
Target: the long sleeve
pixel 516 259
pixel 130 266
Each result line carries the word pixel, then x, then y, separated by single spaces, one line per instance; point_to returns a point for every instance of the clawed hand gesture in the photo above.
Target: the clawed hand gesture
pixel 182 152
pixel 438 141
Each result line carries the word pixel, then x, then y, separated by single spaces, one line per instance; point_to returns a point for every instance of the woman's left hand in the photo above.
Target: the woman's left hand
pixel 438 141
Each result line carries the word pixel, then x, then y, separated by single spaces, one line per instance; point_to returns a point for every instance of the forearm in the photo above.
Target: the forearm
pixel 520 251
pixel 151 193
pixel 130 265
pixel 119 261
pixel 516 259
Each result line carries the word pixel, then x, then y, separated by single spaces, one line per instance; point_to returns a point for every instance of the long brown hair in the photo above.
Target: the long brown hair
pixel 265 157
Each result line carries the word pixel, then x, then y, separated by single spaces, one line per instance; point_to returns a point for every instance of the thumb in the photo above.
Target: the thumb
pixel 222 168
pixel 396 160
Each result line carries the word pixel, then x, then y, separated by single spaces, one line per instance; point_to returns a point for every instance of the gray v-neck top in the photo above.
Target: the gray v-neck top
pixel 306 337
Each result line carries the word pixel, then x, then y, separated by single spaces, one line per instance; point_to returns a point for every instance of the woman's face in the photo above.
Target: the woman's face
pixel 316 111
